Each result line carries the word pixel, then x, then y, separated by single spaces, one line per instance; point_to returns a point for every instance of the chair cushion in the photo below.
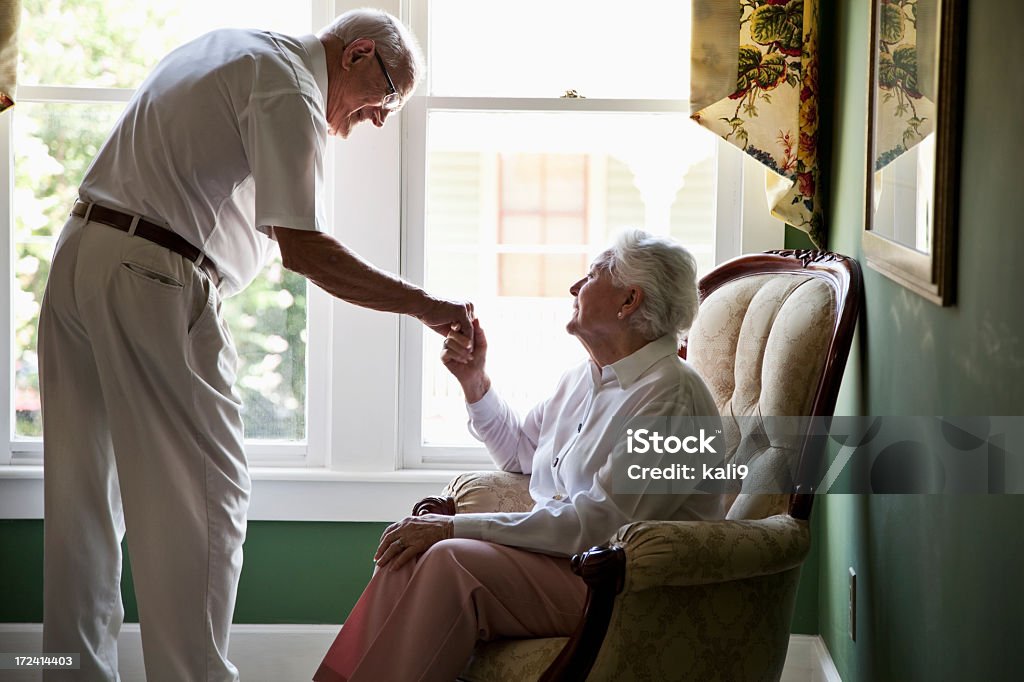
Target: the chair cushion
pixel 512 660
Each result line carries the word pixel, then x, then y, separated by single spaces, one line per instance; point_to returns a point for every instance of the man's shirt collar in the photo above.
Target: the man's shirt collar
pixel 317 62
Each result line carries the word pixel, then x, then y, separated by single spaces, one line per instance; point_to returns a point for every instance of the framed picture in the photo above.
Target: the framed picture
pixel 914 116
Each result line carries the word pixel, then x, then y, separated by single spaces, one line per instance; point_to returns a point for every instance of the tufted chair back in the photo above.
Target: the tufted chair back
pixel 765 342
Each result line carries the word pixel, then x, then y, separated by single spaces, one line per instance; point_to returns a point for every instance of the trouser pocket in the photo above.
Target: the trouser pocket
pixel 151 275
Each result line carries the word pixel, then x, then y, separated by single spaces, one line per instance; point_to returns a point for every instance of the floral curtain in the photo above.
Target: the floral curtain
pixel 10 13
pixel 905 55
pixel 754 82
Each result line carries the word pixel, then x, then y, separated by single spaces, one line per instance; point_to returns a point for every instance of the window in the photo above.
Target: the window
pixel 512 188
pixel 79 63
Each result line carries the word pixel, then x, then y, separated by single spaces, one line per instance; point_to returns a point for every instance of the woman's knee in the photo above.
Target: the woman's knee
pixel 454 553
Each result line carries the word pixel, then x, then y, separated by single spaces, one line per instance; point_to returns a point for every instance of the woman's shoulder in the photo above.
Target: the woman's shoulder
pixel 672 379
pixel 672 370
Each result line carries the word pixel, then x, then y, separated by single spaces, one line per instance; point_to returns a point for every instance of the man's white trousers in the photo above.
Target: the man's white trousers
pixel 143 432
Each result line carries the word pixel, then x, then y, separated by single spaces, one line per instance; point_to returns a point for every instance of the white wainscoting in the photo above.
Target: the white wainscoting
pixel 285 653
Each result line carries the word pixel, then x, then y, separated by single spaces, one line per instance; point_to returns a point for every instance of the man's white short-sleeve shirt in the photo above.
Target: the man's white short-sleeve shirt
pixel 225 139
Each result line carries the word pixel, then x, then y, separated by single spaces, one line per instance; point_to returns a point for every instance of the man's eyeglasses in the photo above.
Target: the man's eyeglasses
pixel 392 100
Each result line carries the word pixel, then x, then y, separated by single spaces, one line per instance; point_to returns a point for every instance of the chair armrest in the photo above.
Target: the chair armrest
pixel 681 553
pixel 650 554
pixel 480 491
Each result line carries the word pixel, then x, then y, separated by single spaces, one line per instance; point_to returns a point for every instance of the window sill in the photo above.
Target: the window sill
pixel 278 494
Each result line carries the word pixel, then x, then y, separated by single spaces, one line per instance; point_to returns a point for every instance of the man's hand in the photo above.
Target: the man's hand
pixel 410 537
pixel 342 273
pixel 441 315
pixel 465 357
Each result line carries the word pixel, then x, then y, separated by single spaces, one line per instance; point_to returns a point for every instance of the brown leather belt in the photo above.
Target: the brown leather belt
pixel 148 231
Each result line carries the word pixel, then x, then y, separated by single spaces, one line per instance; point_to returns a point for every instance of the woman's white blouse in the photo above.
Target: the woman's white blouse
pixel 573 443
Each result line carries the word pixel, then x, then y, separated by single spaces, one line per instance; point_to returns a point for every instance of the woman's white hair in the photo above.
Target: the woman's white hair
pixel 396 44
pixel 667 274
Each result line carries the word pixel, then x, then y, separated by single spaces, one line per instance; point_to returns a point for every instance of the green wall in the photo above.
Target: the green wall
pixel 293 572
pixel 939 578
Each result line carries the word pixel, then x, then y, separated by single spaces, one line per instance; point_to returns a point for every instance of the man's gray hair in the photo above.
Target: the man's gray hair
pixel 667 274
pixel 396 44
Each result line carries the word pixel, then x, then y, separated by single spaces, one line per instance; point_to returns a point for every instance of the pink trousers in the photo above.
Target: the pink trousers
pixel 421 622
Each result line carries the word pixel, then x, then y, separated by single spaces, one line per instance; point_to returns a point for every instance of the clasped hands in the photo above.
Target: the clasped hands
pixel 442 316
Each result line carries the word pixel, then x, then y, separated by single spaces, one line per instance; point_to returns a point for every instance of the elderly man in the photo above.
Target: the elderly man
pixel 218 155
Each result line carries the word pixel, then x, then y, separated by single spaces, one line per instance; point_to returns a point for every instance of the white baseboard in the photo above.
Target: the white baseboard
pixel 280 653
pixel 808 660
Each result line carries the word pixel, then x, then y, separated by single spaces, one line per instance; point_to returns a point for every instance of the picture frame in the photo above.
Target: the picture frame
pixel 915 110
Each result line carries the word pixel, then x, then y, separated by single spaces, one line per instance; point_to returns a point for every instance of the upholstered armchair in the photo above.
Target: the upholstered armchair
pixel 681 600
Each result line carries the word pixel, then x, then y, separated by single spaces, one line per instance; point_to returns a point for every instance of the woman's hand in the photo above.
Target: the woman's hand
pixel 465 355
pixel 410 537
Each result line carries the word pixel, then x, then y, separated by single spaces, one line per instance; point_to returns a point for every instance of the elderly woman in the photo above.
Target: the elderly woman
pixel 444 582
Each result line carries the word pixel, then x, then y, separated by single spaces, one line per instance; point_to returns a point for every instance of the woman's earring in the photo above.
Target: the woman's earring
pixel 620 316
